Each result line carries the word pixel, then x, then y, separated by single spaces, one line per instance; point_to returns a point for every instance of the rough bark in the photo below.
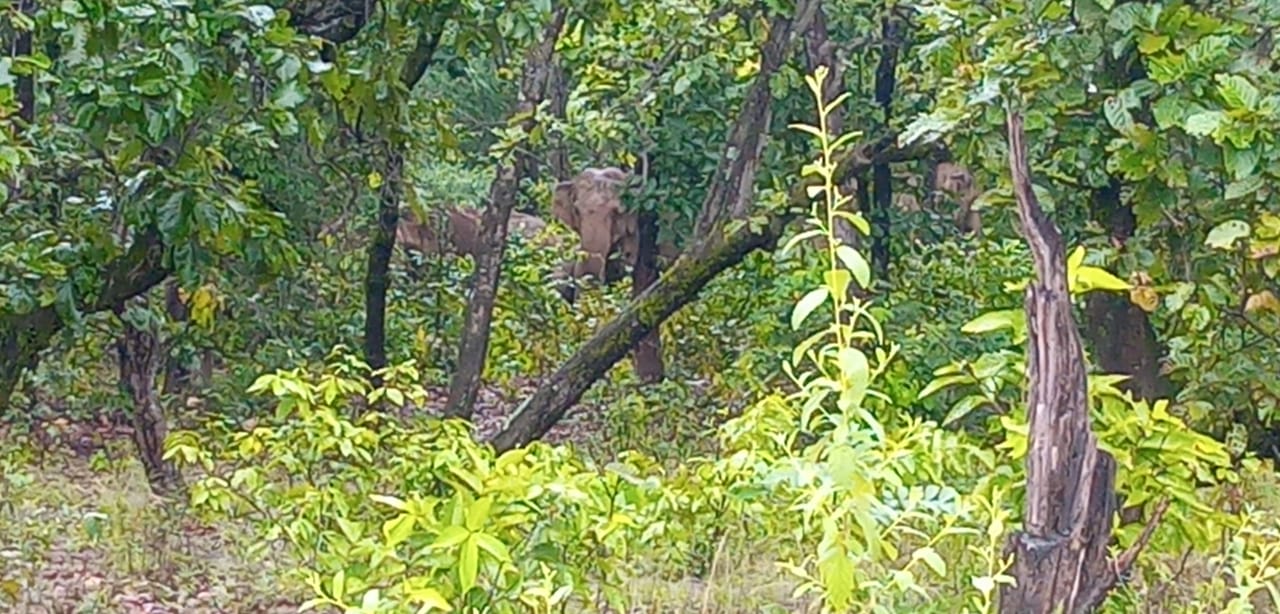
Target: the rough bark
pixel 892 31
pixel 1060 555
pixel 648 355
pixel 25 85
pixel 680 285
pixel 1120 333
pixel 474 347
pixel 733 184
pixel 177 376
pixel 23 336
pixel 141 356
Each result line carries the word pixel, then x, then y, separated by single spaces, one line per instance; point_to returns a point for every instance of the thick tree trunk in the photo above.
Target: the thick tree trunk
pixel 733 185
pixel 474 347
pixel 377 279
pixel 24 336
pixel 648 355
pixel 680 285
pixel 176 374
pixel 141 357
pixel 892 32
pixel 1060 556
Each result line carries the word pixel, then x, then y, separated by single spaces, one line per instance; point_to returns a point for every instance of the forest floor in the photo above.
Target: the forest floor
pixel 81 532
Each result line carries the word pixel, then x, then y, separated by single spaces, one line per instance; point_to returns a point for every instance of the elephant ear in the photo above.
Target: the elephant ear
pixel 563 207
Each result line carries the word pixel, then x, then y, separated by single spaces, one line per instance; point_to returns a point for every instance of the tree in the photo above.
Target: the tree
pixel 133 160
pixel 474 346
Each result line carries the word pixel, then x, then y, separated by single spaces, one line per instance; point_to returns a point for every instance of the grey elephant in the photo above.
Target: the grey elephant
pixel 591 205
pixel 460 230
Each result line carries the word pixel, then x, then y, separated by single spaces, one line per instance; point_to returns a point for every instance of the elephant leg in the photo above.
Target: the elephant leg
pixel 564 281
pixel 614 271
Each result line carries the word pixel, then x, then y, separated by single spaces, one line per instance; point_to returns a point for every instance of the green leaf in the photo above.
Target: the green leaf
pixel 931 558
pixel 1203 123
pixel 1150 43
pixel 940 383
pixel 1238 92
pixel 856 264
pixel 1076 258
pixel 397 529
pixel 1117 115
pixel 493 546
pixel 478 512
pixel 468 564
pixel 991 321
pixel 430 598
pixel 1243 187
pixel 452 535
pixel 963 408
pixel 392 501
pixel 1225 235
pixel 806 305
pixel 1088 278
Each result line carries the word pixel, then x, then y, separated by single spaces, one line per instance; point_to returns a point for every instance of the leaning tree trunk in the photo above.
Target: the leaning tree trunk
pixel 1060 555
pixel 474 348
pixel 679 286
pixel 24 336
pixel 141 357
pixel 611 343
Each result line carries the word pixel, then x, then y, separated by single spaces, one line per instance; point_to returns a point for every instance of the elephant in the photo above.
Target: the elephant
pixel 959 182
pixel 591 205
pixel 461 229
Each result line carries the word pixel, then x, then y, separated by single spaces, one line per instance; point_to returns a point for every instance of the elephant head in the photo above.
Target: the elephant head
pixel 591 204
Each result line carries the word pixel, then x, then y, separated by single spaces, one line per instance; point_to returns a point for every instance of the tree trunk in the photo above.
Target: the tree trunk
pixel 1060 555
pixel 680 285
pixel 176 374
pixel 377 279
pixel 25 86
pixel 1120 332
pixel 474 347
pixel 24 336
pixel 892 31
pixel 140 358
pixel 733 184
pixel 648 355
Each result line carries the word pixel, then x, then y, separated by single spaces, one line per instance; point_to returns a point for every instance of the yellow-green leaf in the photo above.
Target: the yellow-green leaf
pixel 806 305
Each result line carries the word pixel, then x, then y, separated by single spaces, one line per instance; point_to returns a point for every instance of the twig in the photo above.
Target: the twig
pixel 1125 561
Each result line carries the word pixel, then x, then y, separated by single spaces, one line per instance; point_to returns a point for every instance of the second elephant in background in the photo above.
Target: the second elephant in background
pixel 456 230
